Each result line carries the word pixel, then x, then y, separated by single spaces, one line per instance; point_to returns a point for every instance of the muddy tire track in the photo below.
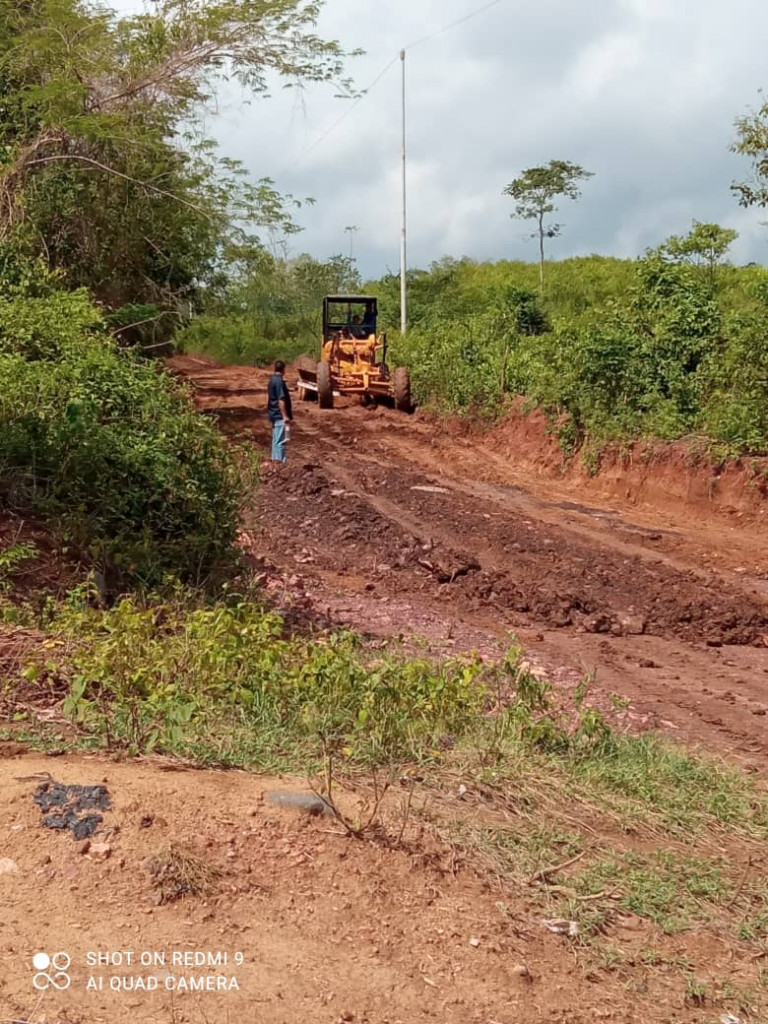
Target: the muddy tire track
pixel 396 529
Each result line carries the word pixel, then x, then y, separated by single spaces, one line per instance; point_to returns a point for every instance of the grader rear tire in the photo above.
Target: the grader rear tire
pixel 403 390
pixel 324 386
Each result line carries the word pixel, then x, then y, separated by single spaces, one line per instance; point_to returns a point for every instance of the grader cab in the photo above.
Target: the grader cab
pixel 353 357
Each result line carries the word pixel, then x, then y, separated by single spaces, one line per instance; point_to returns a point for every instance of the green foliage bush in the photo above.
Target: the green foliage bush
pixel 657 347
pixel 272 312
pixel 181 676
pixel 222 682
pixel 473 360
pixel 234 340
pixel 46 327
pixel 108 445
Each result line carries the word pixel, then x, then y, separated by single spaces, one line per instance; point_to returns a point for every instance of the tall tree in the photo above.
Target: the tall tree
pixel 535 192
pixel 752 142
pixel 106 170
pixel 705 245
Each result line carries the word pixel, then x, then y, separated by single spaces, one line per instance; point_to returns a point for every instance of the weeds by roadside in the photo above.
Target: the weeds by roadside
pixel 586 823
pixel 224 683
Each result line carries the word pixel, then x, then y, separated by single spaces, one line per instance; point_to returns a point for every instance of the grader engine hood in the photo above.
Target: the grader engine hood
pixel 363 349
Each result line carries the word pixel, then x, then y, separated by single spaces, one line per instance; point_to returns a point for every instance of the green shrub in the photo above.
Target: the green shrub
pixel 235 340
pixel 46 327
pixel 644 348
pixel 111 448
pixel 193 678
pixel 734 378
pixel 223 682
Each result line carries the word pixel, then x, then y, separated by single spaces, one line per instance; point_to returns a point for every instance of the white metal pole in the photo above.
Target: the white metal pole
pixel 403 266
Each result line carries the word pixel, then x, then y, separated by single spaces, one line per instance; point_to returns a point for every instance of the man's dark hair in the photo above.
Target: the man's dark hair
pixel 279 366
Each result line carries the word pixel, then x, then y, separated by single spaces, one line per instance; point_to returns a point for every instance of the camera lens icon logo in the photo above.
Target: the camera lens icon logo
pixel 51 971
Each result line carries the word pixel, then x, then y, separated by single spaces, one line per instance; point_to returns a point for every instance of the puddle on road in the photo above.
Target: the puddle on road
pixel 598 513
pixel 652 533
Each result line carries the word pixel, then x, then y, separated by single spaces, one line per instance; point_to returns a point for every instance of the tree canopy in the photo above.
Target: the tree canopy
pixel 752 142
pixel 535 191
pixel 705 245
pixel 106 171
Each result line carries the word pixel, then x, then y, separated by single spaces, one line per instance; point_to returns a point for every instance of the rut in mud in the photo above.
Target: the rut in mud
pixel 396 526
pixel 479 553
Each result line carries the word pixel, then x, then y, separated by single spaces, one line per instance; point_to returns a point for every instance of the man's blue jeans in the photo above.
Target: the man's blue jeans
pixel 278 441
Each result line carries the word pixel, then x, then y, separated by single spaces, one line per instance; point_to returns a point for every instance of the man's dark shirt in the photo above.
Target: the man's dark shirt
pixel 276 391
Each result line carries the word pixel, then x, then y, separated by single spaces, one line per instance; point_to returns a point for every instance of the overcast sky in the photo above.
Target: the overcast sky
pixel 643 93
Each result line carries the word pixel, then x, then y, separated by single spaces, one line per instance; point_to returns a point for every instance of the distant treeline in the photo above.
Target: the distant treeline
pixel 671 344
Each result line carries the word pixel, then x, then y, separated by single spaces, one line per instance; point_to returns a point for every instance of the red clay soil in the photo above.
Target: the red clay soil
pixel 681 478
pixel 402 526
pixel 316 927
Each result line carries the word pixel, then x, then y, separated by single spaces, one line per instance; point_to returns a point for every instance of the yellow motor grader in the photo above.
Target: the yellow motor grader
pixel 353 357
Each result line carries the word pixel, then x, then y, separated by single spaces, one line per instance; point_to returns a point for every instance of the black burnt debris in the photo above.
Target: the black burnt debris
pixel 70 807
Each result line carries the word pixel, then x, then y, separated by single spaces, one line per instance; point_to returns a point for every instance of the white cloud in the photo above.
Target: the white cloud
pixel 603 64
pixel 643 92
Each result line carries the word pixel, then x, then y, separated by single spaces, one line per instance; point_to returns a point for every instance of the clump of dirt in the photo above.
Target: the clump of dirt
pixel 339 526
pixel 393 521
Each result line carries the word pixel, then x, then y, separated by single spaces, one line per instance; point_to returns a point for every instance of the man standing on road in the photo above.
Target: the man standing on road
pixel 280 411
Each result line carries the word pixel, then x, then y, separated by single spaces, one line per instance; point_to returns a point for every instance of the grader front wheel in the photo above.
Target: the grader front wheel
pixel 402 390
pixel 324 386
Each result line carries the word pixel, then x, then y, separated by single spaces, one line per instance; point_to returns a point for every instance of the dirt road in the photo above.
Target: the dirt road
pixel 399 527
pixel 298 923
pixel 395 525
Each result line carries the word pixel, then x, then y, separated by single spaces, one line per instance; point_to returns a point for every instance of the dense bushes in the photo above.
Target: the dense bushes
pixel 458 365
pixel 273 312
pixel 237 340
pixel 666 348
pixel 108 445
pixel 224 682
pixel 48 326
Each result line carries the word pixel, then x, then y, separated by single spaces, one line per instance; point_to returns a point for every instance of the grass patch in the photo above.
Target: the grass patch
pixel 671 890
pixel 587 823
pixel 675 891
pixel 684 789
pixel 224 683
pixel 177 872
